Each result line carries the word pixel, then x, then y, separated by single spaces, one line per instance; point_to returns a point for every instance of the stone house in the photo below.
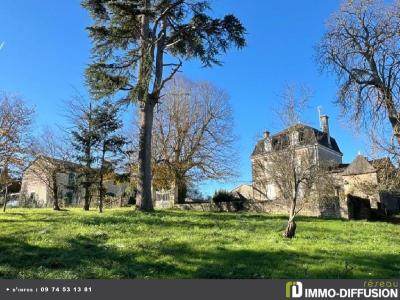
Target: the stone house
pixel 319 144
pixel 355 184
pixel 46 175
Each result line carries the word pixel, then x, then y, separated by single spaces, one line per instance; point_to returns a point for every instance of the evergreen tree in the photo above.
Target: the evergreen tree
pixel 84 141
pixel 110 142
pixel 131 41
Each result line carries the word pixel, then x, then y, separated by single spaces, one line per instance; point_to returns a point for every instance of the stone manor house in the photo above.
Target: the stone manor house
pixel 351 200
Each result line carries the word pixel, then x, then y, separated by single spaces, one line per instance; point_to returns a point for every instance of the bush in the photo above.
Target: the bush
pixel 224 196
pixel 226 201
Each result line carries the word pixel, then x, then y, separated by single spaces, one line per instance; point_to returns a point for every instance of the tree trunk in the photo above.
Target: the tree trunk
pixel 182 192
pixel 143 197
pixel 101 198
pixel 290 229
pixel 5 198
pixel 101 185
pixel 392 113
pixel 87 185
pixel 394 119
pixel 88 161
pixel 86 205
pixel 55 192
pixel 56 206
pixel 291 226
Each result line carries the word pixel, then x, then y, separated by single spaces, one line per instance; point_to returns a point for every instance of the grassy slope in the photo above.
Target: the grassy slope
pixel 122 243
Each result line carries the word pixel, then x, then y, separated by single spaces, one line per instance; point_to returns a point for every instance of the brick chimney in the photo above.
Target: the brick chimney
pixel 325 127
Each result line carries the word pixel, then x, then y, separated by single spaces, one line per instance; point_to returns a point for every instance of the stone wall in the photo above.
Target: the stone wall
pixel 329 208
pixel 362 186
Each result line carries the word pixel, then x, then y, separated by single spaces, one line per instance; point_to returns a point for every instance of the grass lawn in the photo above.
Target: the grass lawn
pixel 122 243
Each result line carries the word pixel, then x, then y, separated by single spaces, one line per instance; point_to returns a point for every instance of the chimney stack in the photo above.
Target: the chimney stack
pixel 266 134
pixel 325 127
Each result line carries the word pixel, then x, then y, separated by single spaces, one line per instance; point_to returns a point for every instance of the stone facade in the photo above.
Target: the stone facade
pixel 38 179
pixel 356 194
pixel 356 184
pixel 318 145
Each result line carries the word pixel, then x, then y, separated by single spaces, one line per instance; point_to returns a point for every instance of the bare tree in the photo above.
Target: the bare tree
pixel 15 120
pixel 361 46
pixel 290 164
pixel 51 158
pixel 193 135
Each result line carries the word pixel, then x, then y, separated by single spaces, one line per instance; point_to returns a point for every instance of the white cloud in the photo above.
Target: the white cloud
pixel 2 45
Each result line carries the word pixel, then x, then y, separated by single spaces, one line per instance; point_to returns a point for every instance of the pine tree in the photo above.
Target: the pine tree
pixel 84 141
pixel 110 142
pixel 132 40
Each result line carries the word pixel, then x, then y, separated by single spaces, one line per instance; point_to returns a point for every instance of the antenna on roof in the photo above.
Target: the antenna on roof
pixel 319 108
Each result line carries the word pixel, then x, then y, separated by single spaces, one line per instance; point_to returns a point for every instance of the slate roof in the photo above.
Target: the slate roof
pixel 64 163
pixel 282 138
pixel 338 168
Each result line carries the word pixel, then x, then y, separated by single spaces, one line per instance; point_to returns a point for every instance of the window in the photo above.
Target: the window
pixel 268 166
pixel 267 145
pixel 69 196
pixel 295 138
pixel 271 194
pixel 71 179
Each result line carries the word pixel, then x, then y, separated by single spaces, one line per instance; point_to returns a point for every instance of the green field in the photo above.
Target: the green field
pixel 122 243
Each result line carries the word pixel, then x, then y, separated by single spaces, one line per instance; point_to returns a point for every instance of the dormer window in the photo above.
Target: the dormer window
pixel 267 141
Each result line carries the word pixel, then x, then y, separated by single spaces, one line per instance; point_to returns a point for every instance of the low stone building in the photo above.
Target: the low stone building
pixel 362 182
pixel 45 176
pixel 244 191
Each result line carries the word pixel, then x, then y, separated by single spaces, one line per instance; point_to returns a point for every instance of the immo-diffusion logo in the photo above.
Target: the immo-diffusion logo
pixel 381 290
pixel 294 289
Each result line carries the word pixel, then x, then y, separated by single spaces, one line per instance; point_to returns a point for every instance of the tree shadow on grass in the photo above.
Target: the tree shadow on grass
pixel 175 219
pixel 89 257
pixel 250 264
pixel 84 257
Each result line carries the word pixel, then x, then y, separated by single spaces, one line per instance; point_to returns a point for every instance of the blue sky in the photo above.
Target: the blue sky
pixel 46 49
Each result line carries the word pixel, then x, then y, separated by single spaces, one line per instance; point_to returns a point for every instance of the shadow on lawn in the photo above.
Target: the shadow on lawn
pixel 170 218
pixel 85 257
pixel 89 257
pixel 216 222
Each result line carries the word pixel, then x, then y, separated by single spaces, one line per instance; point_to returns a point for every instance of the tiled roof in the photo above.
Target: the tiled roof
pixel 360 165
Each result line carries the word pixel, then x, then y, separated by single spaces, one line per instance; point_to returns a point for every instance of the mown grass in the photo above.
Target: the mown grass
pixel 122 243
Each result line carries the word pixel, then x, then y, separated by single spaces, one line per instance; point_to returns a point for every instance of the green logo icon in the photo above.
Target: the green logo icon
pixel 294 289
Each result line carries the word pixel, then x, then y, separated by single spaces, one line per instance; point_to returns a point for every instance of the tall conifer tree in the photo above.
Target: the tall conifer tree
pixel 139 45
